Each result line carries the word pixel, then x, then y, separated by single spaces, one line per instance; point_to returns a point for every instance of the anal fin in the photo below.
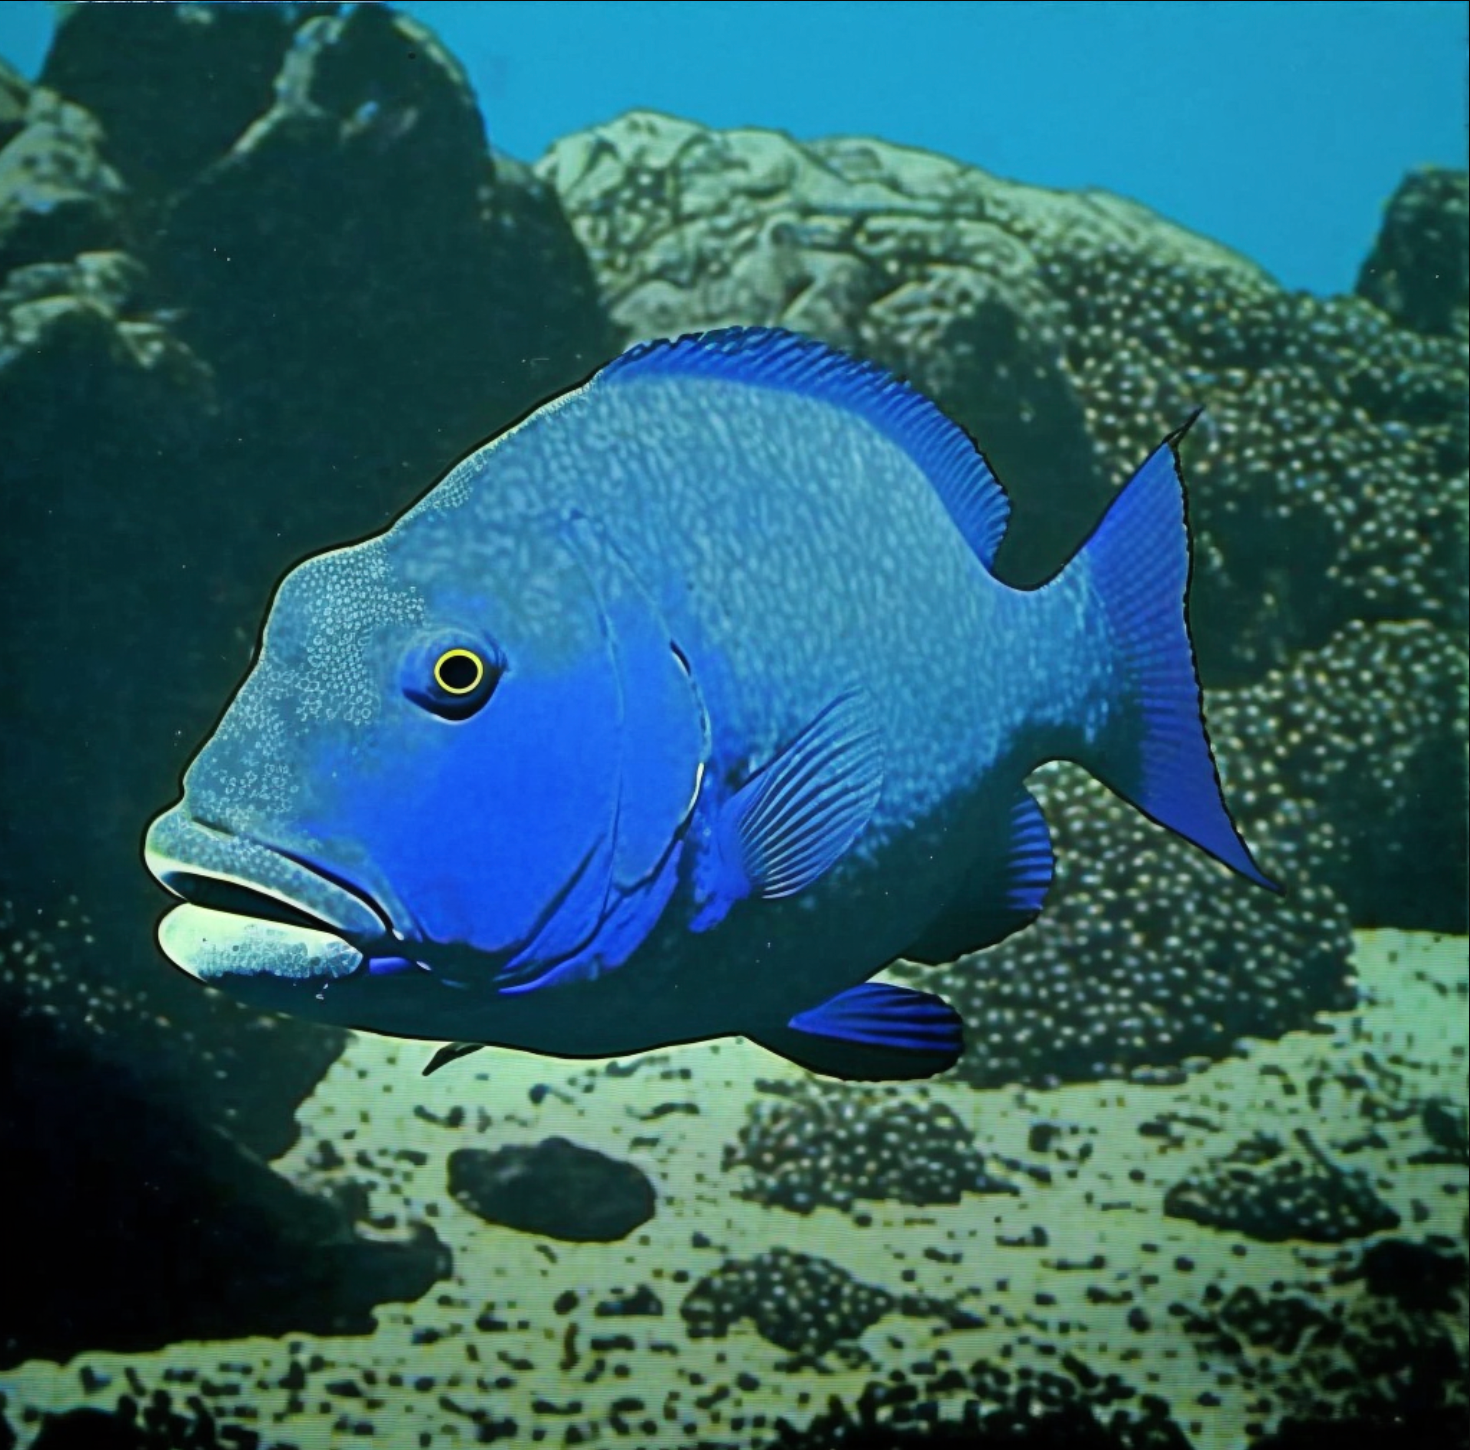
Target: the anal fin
pixel 873 1032
pixel 1005 892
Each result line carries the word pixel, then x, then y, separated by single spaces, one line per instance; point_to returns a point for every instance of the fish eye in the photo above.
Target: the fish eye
pixel 459 672
pixel 451 679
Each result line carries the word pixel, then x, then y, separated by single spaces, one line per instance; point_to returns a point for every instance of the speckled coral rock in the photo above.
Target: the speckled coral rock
pixel 1265 1192
pixel 810 1143
pixel 1372 728
pixel 1067 333
pixel 801 1303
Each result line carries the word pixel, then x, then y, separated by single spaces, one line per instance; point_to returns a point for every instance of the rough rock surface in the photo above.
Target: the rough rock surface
pixel 1149 955
pixel 800 1303
pixel 317 292
pixel 1070 1410
pixel 812 1143
pixel 1419 270
pixel 1266 1193
pixel 1373 1364
pixel 554 1187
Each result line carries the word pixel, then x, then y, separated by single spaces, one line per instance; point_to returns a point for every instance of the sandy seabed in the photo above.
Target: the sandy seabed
pixel 430 1376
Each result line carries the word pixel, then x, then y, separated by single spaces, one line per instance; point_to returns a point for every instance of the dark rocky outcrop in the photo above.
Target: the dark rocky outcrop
pixel 1419 269
pixel 319 290
pixel 258 286
pixel 138 1225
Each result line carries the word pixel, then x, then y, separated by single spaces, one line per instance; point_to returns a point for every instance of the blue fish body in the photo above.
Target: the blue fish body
pixel 680 710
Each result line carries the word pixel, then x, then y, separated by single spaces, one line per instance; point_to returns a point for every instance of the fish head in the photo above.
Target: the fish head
pixel 453 762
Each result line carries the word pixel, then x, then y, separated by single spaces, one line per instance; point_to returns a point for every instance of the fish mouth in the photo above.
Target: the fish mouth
pixel 255 910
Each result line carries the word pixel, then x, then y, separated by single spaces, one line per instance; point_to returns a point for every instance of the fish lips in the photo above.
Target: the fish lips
pixel 252 911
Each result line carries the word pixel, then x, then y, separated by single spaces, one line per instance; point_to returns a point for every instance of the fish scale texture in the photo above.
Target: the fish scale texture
pixel 807 554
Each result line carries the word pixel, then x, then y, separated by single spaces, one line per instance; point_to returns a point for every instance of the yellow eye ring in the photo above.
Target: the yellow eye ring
pixel 452 676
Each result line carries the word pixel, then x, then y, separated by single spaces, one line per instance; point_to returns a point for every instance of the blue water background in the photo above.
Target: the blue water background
pixel 1277 128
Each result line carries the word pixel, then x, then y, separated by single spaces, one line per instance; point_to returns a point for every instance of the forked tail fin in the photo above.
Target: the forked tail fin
pixel 1156 753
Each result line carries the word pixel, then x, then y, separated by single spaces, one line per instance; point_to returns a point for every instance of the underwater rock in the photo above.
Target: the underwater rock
pixel 1067 332
pixel 800 1303
pixel 825 1143
pixel 1344 772
pixel 555 1187
pixel 58 196
pixel 1417 1276
pixel 895 255
pixel 642 1301
pixel 1275 1321
pixel 1419 269
pixel 1370 1362
pixel 241 1071
pixel 1445 1125
pixel 213 64
pixel 1263 1192
pixel 357 255
pixel 141 1227
pixel 1371 729
pixel 160 1424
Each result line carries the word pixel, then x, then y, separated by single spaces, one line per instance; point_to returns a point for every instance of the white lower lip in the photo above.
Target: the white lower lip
pixel 212 944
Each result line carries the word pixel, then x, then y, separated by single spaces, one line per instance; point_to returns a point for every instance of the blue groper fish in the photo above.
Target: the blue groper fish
pixel 679 710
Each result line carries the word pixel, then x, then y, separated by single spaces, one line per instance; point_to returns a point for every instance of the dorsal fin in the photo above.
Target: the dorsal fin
pixel 770 357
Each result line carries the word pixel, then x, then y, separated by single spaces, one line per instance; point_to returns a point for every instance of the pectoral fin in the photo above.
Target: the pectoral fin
pixel 793 821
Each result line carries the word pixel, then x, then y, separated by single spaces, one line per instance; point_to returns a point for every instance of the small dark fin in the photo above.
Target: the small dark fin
pixel 873 1032
pixel 1159 759
pixel 450 1052
pixel 770 357
pixel 789 824
pixel 1004 895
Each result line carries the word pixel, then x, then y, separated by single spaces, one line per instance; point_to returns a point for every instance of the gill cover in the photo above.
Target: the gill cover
pixel 658 739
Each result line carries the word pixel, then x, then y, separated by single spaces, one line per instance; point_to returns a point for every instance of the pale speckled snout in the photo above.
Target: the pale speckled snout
pixel 250 909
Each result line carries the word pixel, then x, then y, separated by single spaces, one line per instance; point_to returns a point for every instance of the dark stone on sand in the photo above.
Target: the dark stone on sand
pixel 642 1301
pixel 1445 1126
pixel 1418 1276
pixel 556 1188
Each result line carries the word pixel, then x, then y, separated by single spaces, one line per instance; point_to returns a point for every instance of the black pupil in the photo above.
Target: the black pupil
pixel 458 672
